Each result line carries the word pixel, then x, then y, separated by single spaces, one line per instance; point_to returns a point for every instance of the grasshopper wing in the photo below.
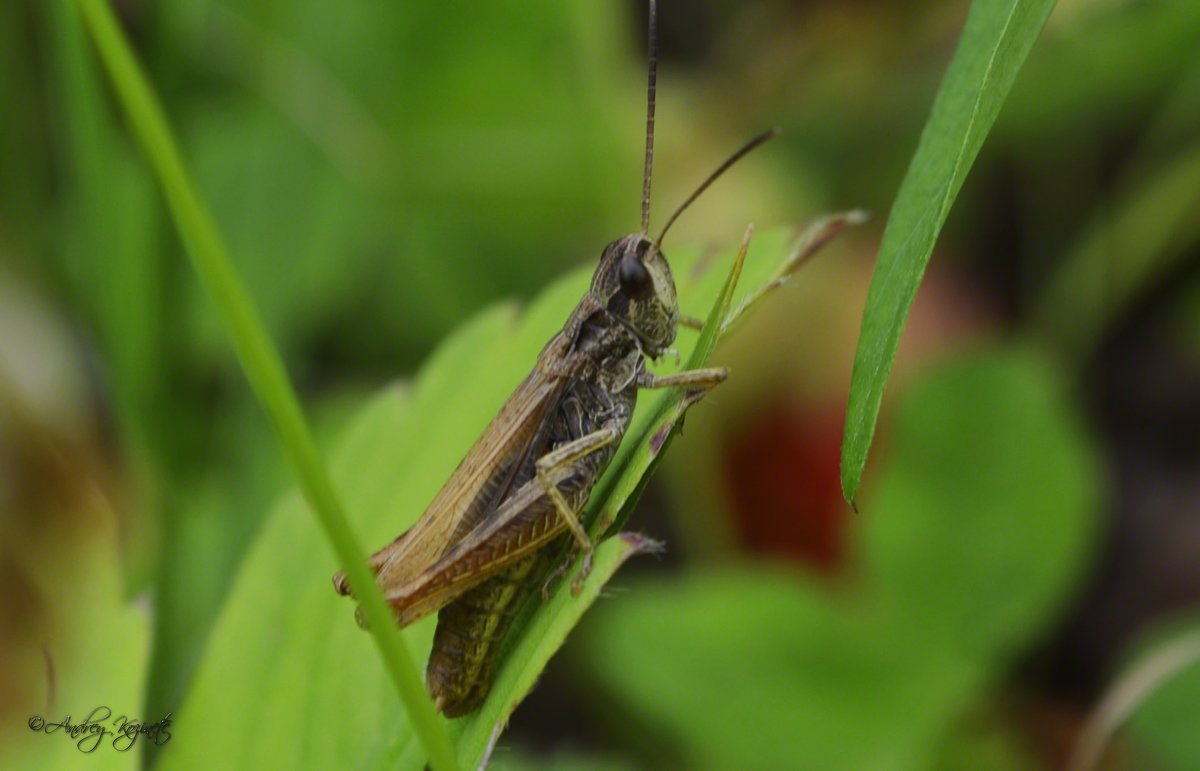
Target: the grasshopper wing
pixel 476 488
pixel 523 523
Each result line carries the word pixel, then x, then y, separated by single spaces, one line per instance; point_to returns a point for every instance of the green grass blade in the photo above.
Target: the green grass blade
pixel 728 294
pixel 260 361
pixel 544 629
pixel 995 41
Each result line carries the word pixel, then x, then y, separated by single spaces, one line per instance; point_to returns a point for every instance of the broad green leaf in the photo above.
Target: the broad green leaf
pixel 986 510
pixel 994 43
pixel 286 646
pixel 751 668
pixel 757 668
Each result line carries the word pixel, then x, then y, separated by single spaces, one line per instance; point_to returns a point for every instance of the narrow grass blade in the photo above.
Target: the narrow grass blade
pixel 260 361
pixel 995 41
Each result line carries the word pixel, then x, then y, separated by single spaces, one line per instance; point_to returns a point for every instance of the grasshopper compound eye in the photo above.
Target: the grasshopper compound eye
pixel 634 278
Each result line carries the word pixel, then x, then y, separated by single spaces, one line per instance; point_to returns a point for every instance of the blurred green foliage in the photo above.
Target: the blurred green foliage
pixel 757 668
pixel 382 172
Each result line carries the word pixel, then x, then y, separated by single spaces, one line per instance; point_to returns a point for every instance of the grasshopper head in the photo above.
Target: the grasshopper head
pixel 634 282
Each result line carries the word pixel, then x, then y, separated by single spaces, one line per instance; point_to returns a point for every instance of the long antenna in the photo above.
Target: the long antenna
pixel 753 143
pixel 650 87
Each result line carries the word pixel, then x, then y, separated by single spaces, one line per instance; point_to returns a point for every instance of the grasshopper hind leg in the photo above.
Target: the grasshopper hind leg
pixel 563 458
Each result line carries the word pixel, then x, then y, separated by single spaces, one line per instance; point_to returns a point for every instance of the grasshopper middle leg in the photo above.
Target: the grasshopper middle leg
pixel 696 379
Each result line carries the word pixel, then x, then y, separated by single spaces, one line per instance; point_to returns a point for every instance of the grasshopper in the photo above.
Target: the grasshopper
pixel 499 522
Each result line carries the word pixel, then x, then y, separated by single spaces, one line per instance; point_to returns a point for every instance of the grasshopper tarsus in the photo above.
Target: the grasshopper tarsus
pixel 585 570
pixel 554 575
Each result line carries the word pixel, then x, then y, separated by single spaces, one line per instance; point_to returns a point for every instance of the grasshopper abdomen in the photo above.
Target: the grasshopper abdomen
pixel 471 630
